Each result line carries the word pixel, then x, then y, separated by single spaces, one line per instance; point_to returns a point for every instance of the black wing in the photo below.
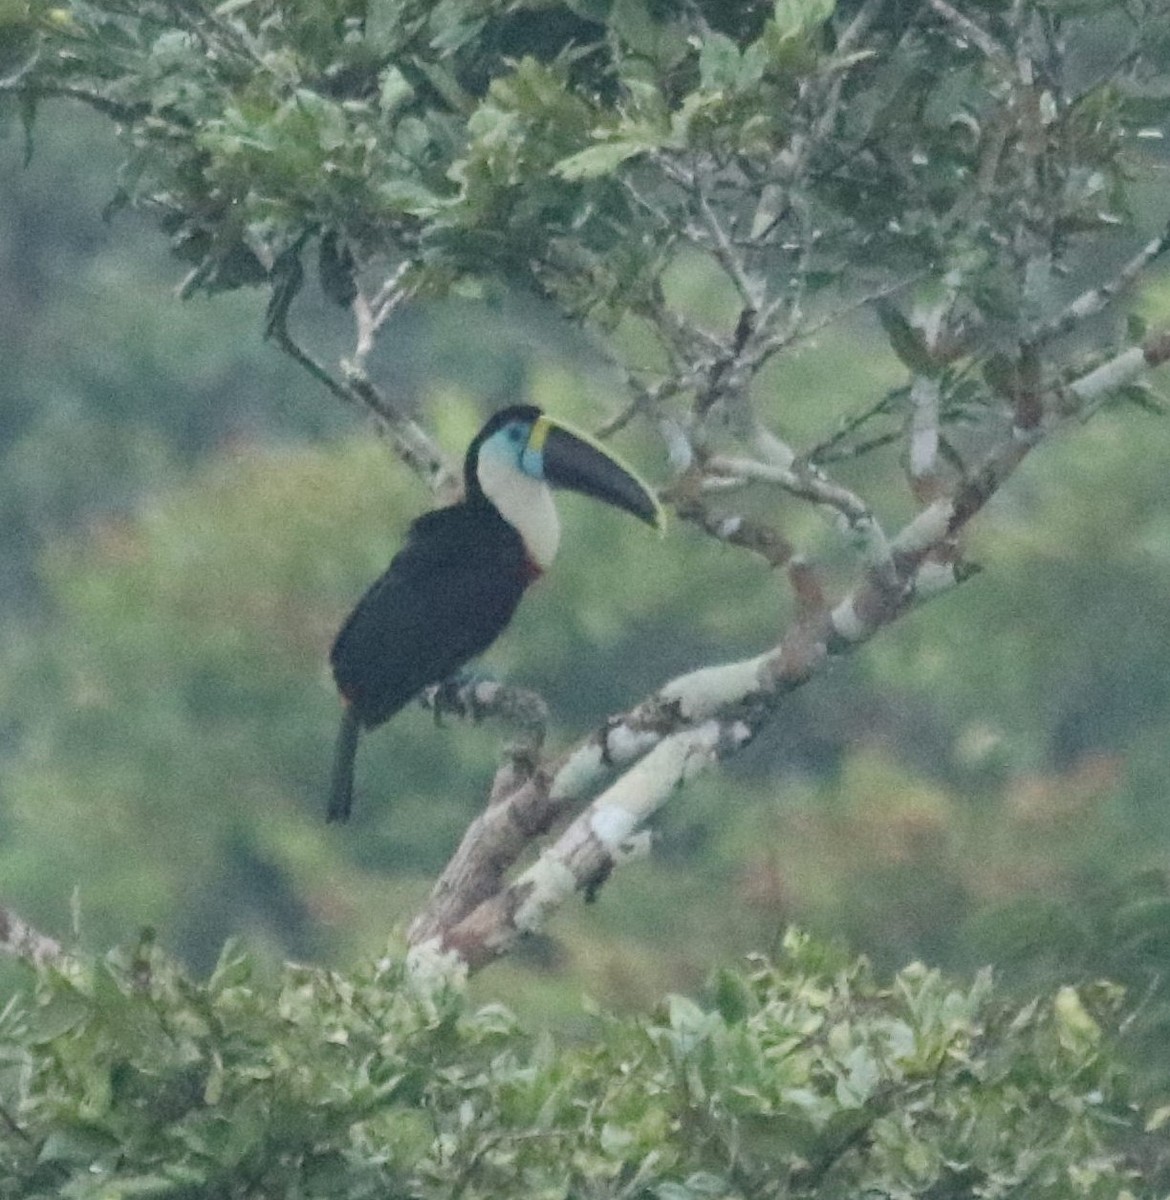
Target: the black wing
pixel 446 596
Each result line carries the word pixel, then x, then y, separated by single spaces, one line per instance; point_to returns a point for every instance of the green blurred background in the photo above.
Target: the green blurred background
pixel 185 519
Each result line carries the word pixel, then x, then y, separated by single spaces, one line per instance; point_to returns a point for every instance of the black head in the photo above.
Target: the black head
pixel 522 442
pixel 522 416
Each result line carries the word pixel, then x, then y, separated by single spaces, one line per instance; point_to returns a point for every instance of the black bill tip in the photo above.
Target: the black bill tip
pixel 574 461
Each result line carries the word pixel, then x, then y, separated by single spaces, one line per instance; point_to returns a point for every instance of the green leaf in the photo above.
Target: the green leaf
pixel 384 23
pixel 441 78
pixel 408 196
pixel 860 1079
pixel 395 91
pixel 719 63
pixel 632 22
pixel 705 1183
pixel 669 1190
pixel 690 1024
pixel 64 1011
pixel 80 1144
pixel 335 269
pixel 1158 1118
pixel 733 996
pixel 601 160
pixel 1136 327
pixel 129 1186
pixel 233 968
pixel 1075 1027
pixel 798 18
pixel 615 1140
pixel 771 206
pixel 906 341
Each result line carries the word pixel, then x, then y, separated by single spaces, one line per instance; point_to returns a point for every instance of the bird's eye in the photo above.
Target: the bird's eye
pixel 515 433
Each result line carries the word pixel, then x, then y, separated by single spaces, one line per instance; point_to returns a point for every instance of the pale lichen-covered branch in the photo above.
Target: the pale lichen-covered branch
pixel 616 779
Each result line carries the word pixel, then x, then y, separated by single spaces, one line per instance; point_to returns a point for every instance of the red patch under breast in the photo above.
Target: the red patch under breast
pixel 531 570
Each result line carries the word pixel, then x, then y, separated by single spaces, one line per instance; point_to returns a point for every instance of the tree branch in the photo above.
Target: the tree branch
pixel 1094 301
pixel 973 33
pixel 696 720
pixel 409 441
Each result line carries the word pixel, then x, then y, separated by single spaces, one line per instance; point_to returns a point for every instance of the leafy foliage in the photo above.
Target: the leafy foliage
pixel 562 144
pixel 806 1078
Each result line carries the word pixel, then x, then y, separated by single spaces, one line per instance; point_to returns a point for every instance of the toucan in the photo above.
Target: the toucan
pixel 453 587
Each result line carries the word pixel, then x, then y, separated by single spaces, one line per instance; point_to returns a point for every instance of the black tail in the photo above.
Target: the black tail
pixel 341 787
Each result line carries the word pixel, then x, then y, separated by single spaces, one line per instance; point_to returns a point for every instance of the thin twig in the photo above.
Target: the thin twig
pixel 125 114
pixel 1094 301
pixel 804 484
pixel 371 313
pixel 764 349
pixel 973 33
pixel 410 441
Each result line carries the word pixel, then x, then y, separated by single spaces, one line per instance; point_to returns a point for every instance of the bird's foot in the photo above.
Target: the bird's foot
pixel 461 696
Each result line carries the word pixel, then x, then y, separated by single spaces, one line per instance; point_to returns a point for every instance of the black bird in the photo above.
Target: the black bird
pixel 453 587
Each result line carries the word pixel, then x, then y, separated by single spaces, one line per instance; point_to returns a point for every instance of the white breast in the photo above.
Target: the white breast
pixel 526 504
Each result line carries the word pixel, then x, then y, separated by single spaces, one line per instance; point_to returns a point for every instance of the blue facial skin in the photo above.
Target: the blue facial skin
pixel 532 462
pixel 511 445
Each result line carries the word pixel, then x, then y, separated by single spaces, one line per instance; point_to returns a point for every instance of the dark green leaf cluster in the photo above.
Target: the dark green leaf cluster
pixel 805 1079
pixel 565 144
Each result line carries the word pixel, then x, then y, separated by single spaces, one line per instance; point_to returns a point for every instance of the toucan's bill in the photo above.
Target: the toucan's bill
pixel 573 460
